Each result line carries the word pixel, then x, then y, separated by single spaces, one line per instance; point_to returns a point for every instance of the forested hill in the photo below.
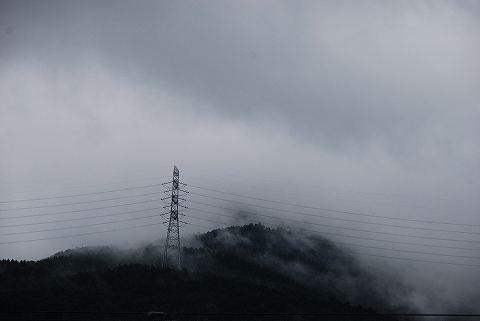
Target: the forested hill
pixel 248 269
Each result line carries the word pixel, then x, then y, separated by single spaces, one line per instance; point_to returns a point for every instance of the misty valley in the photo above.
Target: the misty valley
pixel 246 272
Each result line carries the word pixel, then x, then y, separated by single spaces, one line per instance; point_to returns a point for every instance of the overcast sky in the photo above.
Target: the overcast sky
pixel 366 107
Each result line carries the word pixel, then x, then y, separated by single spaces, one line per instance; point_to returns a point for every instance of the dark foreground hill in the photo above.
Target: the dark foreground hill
pixel 229 273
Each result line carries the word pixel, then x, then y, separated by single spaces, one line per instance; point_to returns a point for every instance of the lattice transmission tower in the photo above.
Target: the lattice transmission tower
pixel 174 210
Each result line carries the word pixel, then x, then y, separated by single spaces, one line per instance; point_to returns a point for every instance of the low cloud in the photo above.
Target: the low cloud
pixel 359 108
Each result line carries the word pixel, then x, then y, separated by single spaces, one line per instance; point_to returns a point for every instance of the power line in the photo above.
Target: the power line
pixel 348 228
pixel 82 218
pixel 340 219
pixel 333 189
pixel 348 200
pixel 332 210
pixel 320 224
pixel 270 208
pixel 358 253
pixel 112 230
pixel 79 210
pixel 78 195
pixel 283 203
pixel 297 221
pixel 82 234
pixel 81 177
pixel 349 244
pixel 154 185
pixel 227 175
pixel 84 186
pixel 225 208
pixel 78 203
pixel 79 226
pixel 265 207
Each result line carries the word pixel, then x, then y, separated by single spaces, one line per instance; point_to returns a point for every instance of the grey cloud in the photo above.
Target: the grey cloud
pixel 371 103
pixel 336 76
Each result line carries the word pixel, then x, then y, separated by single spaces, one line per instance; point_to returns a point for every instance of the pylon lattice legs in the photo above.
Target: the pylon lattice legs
pixel 171 255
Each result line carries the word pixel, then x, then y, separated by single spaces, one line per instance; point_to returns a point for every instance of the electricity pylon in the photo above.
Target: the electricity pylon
pixel 171 254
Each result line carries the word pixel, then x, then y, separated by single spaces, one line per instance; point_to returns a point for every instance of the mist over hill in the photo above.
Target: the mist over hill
pixel 356 120
pixel 238 269
pixel 313 261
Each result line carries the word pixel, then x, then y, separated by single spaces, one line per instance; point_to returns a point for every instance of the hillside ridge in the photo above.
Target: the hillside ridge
pixel 233 270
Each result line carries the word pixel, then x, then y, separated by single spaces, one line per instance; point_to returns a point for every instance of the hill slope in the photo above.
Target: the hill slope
pixel 250 269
